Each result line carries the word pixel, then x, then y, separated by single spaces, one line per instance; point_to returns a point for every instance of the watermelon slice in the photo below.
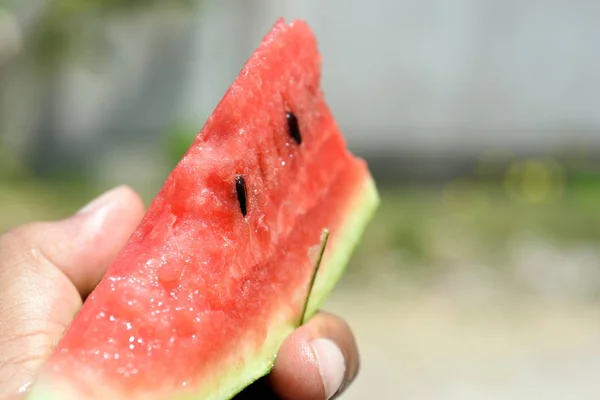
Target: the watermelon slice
pixel 218 272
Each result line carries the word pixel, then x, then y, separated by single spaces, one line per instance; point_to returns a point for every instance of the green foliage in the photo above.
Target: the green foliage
pixel 11 168
pixel 178 140
pixel 476 220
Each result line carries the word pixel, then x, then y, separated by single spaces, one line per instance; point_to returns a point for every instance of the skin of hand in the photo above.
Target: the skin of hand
pixel 48 268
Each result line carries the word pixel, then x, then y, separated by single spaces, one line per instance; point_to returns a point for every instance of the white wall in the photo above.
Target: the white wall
pixel 417 77
pixel 429 73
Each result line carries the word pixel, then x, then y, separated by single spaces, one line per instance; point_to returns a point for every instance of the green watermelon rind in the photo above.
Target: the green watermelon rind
pixel 313 278
pixel 340 250
pixel 333 265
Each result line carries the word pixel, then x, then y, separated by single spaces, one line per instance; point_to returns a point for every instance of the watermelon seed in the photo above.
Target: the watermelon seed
pixel 293 128
pixel 240 188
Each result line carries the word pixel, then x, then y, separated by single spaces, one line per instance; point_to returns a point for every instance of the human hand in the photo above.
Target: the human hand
pixel 48 268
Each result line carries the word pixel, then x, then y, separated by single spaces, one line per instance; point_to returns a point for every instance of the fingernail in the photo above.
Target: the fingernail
pixel 101 201
pixel 332 365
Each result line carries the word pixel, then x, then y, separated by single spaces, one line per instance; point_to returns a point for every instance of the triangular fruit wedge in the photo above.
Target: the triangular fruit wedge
pixel 216 276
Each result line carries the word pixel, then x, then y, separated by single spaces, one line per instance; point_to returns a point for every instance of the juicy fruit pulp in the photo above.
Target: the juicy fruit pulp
pixel 217 274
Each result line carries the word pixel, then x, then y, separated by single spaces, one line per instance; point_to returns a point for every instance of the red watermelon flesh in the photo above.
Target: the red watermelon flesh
pixel 217 274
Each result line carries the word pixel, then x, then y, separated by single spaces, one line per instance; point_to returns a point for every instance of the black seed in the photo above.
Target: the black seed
pixel 293 128
pixel 240 188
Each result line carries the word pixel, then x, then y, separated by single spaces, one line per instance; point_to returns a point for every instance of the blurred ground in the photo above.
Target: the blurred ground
pixel 472 294
pixel 434 346
pixel 461 291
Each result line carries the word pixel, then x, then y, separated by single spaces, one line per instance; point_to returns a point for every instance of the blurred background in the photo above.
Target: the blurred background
pixel 480 275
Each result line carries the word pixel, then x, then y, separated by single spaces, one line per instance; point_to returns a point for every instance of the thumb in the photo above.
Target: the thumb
pixel 45 269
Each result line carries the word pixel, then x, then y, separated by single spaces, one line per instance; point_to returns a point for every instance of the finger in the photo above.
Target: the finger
pixel 316 362
pixel 45 268
pixel 83 246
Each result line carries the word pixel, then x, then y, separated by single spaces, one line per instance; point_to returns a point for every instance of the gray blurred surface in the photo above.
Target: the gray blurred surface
pixel 431 75
pixel 430 348
pixel 426 82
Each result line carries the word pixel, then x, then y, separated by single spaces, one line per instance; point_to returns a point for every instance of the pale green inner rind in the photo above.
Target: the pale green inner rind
pixel 235 380
pixel 323 246
pixel 340 249
pixel 225 385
